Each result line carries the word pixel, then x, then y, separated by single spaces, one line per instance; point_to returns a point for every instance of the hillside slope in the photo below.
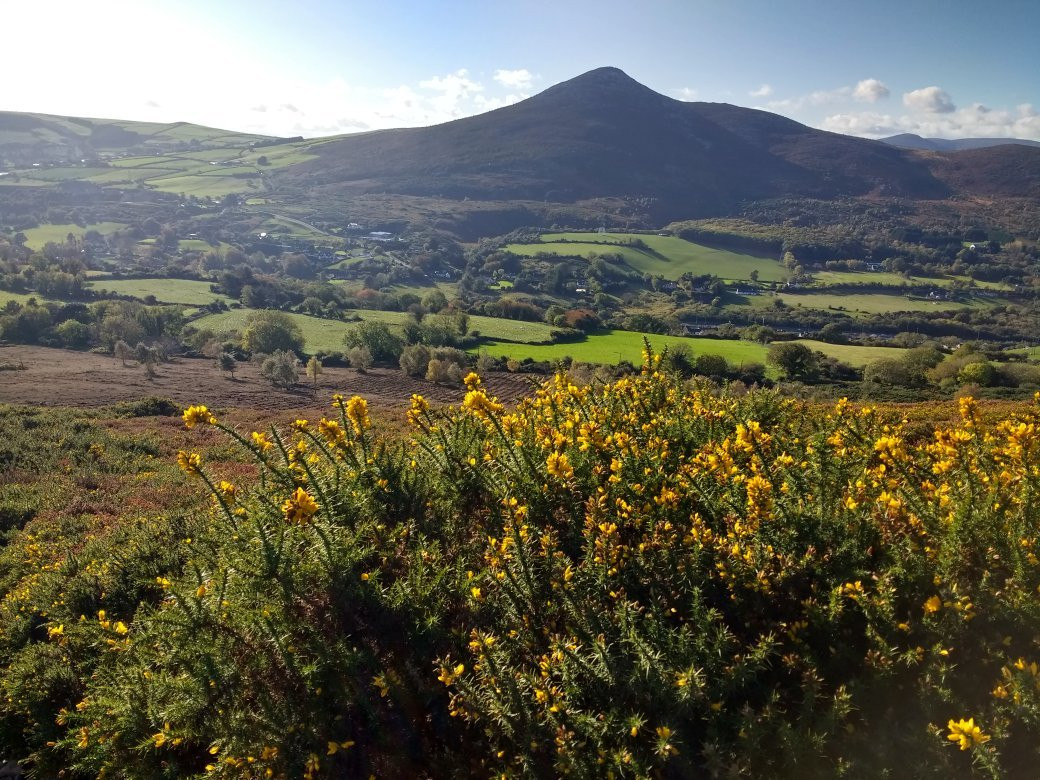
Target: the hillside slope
pixel 42 138
pixel 603 134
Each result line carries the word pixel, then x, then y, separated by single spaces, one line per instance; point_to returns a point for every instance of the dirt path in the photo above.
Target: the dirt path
pixel 58 377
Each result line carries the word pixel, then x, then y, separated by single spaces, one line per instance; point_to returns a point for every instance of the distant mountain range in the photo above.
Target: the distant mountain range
pixel 911 141
pixel 598 136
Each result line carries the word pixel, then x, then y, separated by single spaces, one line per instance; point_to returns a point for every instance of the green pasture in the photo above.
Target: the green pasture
pixel 609 347
pixel 827 278
pixel 496 328
pixel 319 335
pixel 189 292
pixel 36 237
pixel 62 174
pixel 21 298
pixel 214 186
pixel 327 335
pixel 666 256
pixel 864 303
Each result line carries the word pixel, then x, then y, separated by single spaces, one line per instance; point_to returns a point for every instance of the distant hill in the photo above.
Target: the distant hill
pixel 911 141
pixel 603 134
pixel 26 139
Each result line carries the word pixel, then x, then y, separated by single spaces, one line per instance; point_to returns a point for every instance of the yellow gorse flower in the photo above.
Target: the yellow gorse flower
pixel 261 441
pixel 420 406
pixel 965 733
pixel 478 402
pixel 558 465
pixel 300 507
pixel 190 462
pixel 357 413
pixel 198 415
pixel 226 489
pixel 331 430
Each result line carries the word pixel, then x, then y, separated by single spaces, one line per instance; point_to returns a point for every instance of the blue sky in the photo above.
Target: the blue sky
pixel 317 67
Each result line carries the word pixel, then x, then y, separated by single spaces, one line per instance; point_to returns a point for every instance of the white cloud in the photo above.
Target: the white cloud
pixel 455 90
pixel 867 90
pixel 870 91
pixel 820 97
pixel 932 100
pixel 974 121
pixel 764 91
pixel 685 93
pixel 521 79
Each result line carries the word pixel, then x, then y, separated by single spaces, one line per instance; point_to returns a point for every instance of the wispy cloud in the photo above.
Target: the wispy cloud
pixel 764 91
pixel 685 93
pixel 521 79
pixel 867 90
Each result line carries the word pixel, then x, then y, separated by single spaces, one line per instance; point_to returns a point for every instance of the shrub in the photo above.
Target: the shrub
pixel 360 358
pixel 415 358
pixel 281 369
pixel 637 579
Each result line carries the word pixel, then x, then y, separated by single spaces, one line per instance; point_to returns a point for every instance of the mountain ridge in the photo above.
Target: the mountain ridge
pixel 913 141
pixel 602 134
pixel 599 137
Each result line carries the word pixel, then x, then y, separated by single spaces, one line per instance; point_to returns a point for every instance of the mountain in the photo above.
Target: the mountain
pixel 26 139
pixel 603 134
pixel 911 141
pixel 598 143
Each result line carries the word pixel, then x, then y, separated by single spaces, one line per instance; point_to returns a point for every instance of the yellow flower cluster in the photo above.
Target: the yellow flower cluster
pixel 966 734
pixel 300 507
pixel 198 415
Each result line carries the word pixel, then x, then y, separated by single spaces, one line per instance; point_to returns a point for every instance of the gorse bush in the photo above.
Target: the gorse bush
pixel 641 579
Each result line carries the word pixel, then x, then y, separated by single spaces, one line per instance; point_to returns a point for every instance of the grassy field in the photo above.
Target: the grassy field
pixel 865 303
pixel 319 335
pixel 495 328
pixel 327 335
pixel 667 256
pixel 612 346
pixel 825 278
pixel 200 172
pixel 187 291
pixel 36 237
pixel 19 297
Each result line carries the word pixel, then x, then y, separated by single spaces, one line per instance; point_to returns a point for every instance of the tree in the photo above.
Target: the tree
pixel 226 362
pixel 982 374
pixel 360 358
pixel 891 371
pixel 272 331
pixel 434 301
pixel 123 351
pixel 797 361
pixel 714 366
pixel 383 344
pixel 314 370
pixel 73 334
pixel 281 368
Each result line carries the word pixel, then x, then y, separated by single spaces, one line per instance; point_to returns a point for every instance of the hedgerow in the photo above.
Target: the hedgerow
pixel 642 579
